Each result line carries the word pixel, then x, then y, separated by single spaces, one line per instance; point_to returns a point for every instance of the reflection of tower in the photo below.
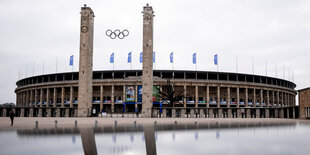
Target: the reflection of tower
pixel 86 62
pixel 88 140
pixel 147 70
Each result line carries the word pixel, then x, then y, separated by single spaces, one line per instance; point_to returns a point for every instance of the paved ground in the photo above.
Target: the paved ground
pixel 29 122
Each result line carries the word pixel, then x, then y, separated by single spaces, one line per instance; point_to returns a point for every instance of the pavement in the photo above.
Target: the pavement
pixel 69 122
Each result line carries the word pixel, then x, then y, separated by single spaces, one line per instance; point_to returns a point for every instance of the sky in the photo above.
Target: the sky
pixel 39 36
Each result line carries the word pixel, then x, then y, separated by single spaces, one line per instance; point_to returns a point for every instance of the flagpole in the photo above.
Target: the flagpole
pixel 33 69
pixel 252 65
pixel 43 67
pixel 56 63
pixel 26 70
pixel 283 72
pixel 236 64
pixel 266 67
pixel 276 70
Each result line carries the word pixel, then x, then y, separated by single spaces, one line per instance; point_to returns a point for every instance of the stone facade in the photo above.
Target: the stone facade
pixel 147 69
pixel 304 102
pixel 86 62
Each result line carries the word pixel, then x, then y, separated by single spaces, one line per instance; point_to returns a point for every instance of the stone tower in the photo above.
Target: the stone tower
pixel 86 62
pixel 147 69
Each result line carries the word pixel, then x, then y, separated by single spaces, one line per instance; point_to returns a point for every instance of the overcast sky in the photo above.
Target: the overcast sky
pixel 272 32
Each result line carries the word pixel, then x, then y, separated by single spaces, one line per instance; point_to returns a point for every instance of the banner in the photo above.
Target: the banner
pixel 129 57
pixel 215 59
pixel 141 57
pixel 71 60
pixel 171 57
pixel 156 96
pixel 194 58
pixel 112 58
pixel 139 93
pixel 130 94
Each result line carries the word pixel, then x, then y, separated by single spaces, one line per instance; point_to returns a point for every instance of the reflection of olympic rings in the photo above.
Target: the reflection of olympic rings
pixel 117 33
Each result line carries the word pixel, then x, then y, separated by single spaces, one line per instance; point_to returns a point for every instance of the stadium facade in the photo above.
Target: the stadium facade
pixel 118 94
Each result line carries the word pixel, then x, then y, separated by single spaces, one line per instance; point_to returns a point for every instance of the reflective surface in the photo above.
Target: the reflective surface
pixel 195 138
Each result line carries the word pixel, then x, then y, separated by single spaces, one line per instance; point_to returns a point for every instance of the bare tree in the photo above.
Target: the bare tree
pixel 169 94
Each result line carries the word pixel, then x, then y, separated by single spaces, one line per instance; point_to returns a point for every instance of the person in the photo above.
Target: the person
pixel 12 115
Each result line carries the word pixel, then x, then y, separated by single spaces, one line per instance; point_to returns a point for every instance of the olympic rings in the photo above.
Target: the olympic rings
pixel 117 33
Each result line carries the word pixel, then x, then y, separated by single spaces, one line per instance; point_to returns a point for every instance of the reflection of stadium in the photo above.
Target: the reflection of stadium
pixel 207 94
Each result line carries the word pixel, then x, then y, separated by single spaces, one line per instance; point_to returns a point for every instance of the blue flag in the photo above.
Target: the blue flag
pixel 215 59
pixel 171 57
pixel 112 58
pixel 153 57
pixel 129 57
pixel 141 57
pixel 71 60
pixel 194 58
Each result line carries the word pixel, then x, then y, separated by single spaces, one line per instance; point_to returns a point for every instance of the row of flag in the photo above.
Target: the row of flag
pixel 141 58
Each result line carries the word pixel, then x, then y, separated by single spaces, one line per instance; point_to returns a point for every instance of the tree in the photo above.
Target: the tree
pixel 169 94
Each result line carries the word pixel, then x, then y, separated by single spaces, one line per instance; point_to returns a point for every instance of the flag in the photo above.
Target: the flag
pixel 129 57
pixel 171 57
pixel 112 58
pixel 194 58
pixel 153 57
pixel 141 57
pixel 71 60
pixel 215 59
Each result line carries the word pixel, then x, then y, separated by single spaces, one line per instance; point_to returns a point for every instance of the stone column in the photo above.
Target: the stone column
pixel 267 113
pixel 101 98
pixel 257 113
pixel 228 98
pixel 220 113
pixel 66 112
pixel 218 96
pixel 238 97
pixel 57 112
pixel 71 96
pixel 201 113
pixel 147 73
pixel 268 100
pixel 261 98
pixel 40 112
pixel 47 97
pixel 276 113
pixel 281 113
pixel 85 92
pixel 54 97
pixel 239 113
pixel 49 112
pixel 22 112
pixel 196 96
pixel 273 99
pixel 229 113
pixel 246 96
pixel 293 113
pixel 282 100
pixel 31 98
pixel 288 113
pixel 208 96
pixel 211 114
pixel 173 113
pixel 62 97
pixel 35 97
pixel 112 97
pixel 30 112
pixel 254 97
pixel 183 113
pixel 192 112
pixel 184 99
pixel 278 98
pixel 41 98
pixel 164 114
pixel 248 113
